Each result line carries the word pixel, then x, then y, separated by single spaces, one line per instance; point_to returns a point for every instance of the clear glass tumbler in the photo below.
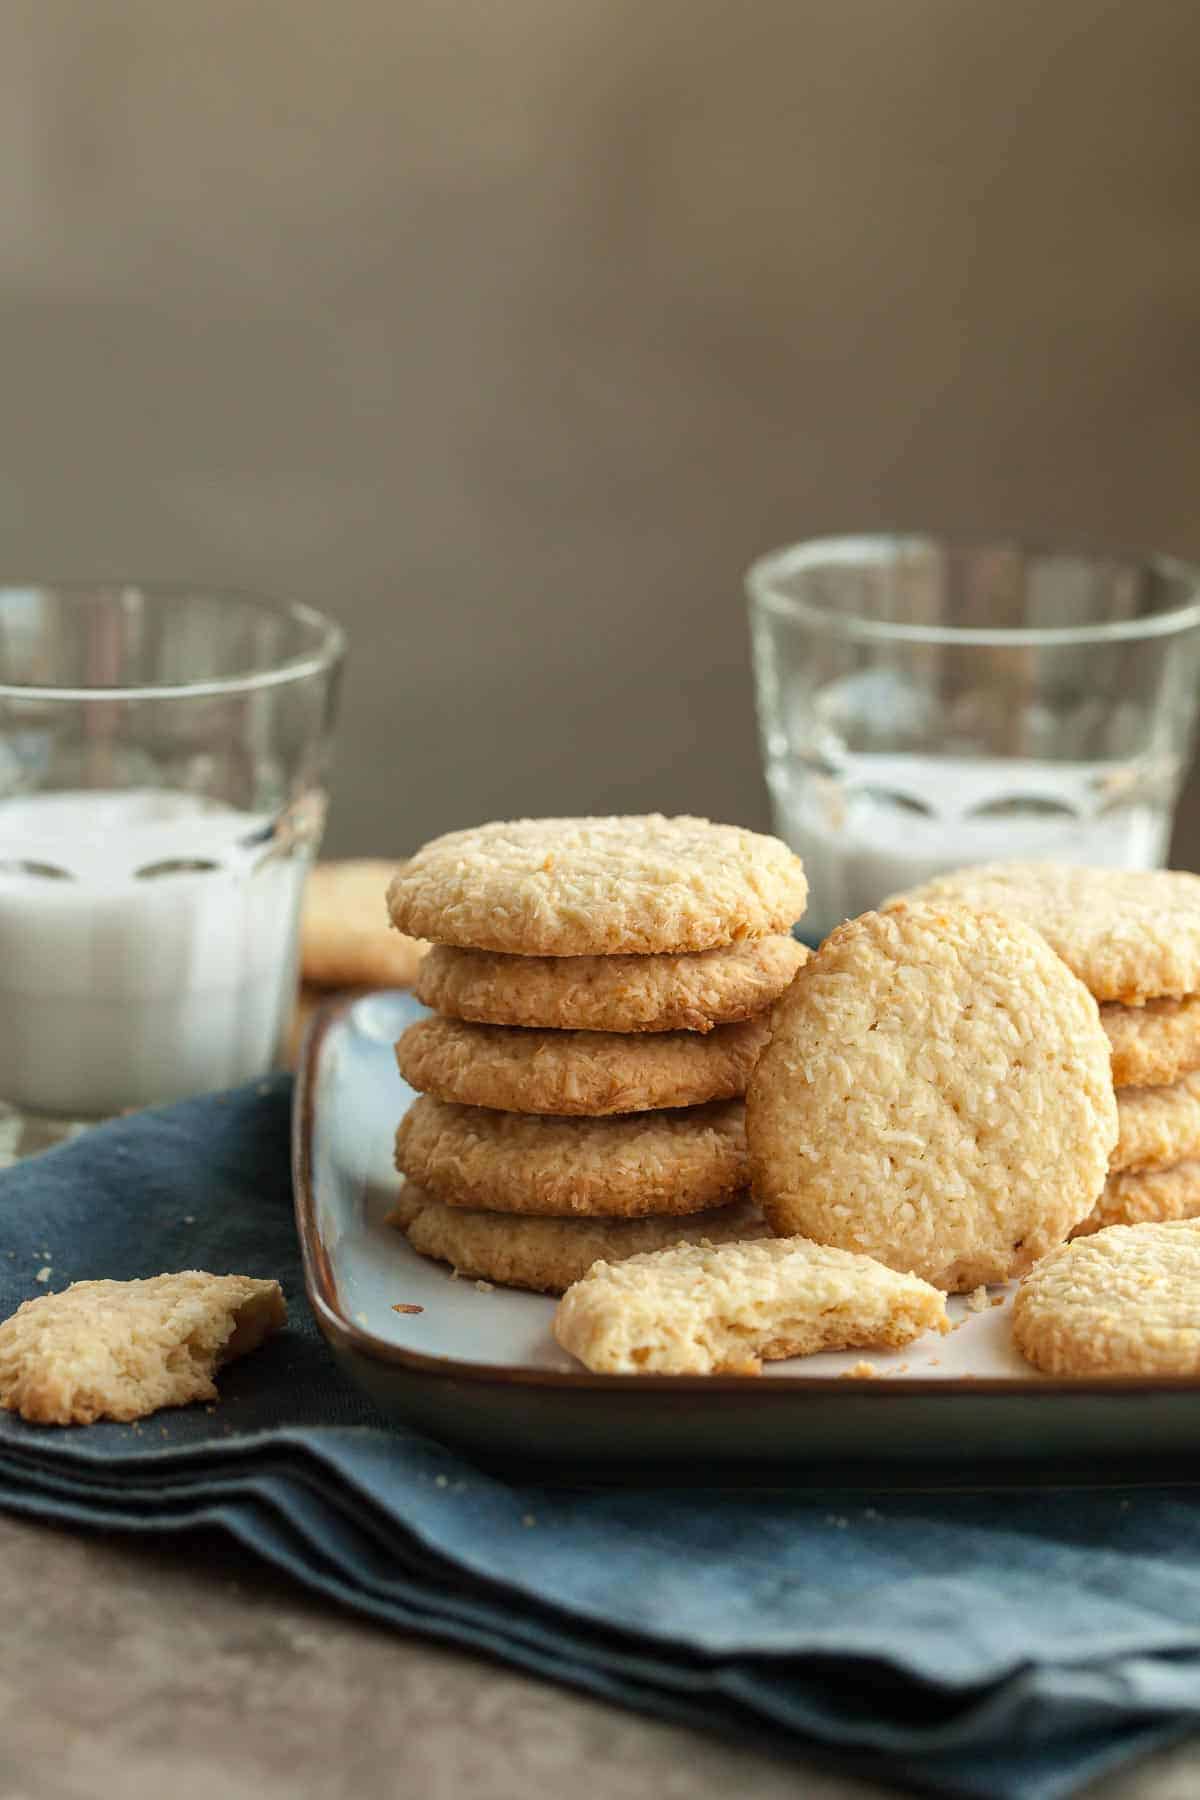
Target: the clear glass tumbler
pixel 162 763
pixel 926 704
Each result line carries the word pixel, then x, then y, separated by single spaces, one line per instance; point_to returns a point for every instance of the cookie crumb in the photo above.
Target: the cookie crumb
pixel 997 1299
pixel 485 1287
pixel 441 1481
pixel 405 1306
pixel 977 1301
pixel 43 1274
pixel 860 1371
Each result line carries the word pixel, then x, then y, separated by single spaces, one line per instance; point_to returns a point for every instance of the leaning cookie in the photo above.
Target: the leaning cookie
pixel 1153 1045
pixel 690 992
pixel 936 1094
pixel 547 1255
pixel 345 939
pixel 643 885
pixel 623 1167
pixel 1129 934
pixel 1146 1197
pixel 590 1073
pixel 704 1310
pixel 122 1349
pixel 1122 1302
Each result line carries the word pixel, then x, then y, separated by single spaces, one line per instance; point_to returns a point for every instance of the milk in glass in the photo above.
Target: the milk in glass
pixel 146 949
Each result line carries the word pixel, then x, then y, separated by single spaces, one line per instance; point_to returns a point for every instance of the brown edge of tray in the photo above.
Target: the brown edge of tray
pixel 344 1334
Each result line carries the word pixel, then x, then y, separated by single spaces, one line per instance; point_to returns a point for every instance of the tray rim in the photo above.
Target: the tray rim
pixel 344 1333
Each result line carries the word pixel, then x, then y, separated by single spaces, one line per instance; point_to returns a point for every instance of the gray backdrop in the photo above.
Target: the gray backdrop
pixel 509 330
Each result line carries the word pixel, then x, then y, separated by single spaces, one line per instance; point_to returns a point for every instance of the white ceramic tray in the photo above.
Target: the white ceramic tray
pixel 480 1366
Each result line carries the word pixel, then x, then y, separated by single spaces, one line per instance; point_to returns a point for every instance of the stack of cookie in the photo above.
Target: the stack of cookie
pixel 1133 939
pixel 602 989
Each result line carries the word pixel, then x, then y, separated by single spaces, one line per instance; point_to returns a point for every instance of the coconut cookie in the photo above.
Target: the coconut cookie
pixel 705 1310
pixel 1129 934
pixel 1159 1126
pixel 1123 1302
pixel 1153 1045
pixel 936 1094
pixel 345 940
pixel 597 887
pixel 122 1349
pixel 1150 1197
pixel 580 1072
pixel 547 1255
pixel 692 992
pixel 623 1167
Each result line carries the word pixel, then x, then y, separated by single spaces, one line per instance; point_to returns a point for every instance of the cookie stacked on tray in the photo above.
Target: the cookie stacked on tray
pixel 1133 939
pixel 601 989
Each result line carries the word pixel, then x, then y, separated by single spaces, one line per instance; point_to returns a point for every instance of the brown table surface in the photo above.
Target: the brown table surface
pixel 140 1670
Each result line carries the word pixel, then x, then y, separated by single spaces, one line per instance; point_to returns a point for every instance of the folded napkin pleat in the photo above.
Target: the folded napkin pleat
pixel 964 1643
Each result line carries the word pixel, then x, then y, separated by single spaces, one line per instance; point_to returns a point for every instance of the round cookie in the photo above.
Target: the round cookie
pixel 589 1073
pixel 624 1167
pixel 597 887
pixel 691 992
pixel 345 940
pixel 1153 1045
pixel 936 1094
pixel 546 1255
pixel 1158 1126
pixel 1129 934
pixel 1122 1302
pixel 1151 1197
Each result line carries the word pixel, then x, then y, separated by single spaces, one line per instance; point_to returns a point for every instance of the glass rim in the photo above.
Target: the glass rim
pixel 768 570
pixel 327 652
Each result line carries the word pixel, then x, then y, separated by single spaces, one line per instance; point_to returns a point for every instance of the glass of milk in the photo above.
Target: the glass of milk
pixel 926 704
pixel 162 764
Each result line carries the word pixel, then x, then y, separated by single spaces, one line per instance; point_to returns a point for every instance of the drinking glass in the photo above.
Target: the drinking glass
pixel 926 704
pixel 162 761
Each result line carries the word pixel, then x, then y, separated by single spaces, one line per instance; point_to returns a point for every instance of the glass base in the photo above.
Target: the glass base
pixel 23 1135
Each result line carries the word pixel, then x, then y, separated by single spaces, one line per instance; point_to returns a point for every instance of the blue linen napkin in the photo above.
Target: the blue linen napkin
pixel 962 1643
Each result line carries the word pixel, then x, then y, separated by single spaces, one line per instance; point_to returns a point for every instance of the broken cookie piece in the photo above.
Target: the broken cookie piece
pixel 122 1349
pixel 702 1309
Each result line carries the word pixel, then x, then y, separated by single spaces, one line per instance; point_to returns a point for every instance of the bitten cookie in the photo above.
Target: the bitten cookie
pixel 345 940
pixel 1122 1302
pixel 1150 1197
pixel 1159 1126
pixel 1129 934
pixel 936 1094
pixel 585 887
pixel 1153 1045
pixel 547 1255
pixel 577 1072
pixel 699 1310
pixel 623 1167
pixel 122 1349
pixel 692 992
